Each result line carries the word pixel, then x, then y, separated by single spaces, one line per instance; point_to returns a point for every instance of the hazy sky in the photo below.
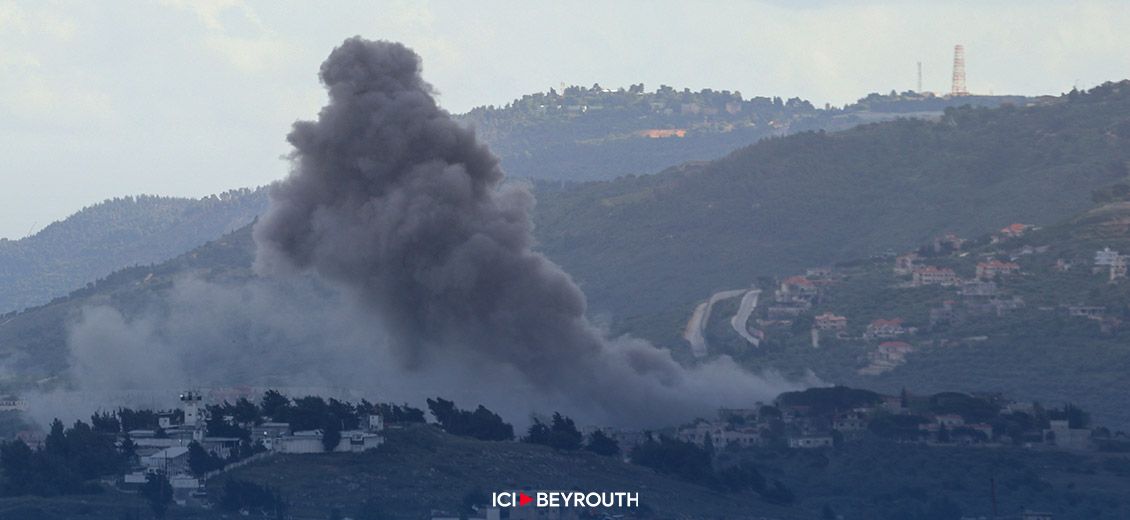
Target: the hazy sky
pixel 100 99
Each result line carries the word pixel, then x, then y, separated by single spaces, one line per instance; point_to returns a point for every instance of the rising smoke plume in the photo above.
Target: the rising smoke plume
pixel 404 208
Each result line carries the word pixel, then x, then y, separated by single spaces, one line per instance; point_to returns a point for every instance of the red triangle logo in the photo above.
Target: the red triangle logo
pixel 524 499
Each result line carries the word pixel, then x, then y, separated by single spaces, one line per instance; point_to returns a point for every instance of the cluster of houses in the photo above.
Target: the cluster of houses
pixel 803 427
pixel 166 449
pixel 979 296
pixel 796 295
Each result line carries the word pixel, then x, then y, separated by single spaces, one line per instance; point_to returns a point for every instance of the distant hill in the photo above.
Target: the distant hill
pixel 33 343
pixel 646 249
pixel 114 234
pixel 598 134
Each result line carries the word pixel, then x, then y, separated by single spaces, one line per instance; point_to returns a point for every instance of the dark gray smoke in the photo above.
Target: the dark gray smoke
pixel 392 199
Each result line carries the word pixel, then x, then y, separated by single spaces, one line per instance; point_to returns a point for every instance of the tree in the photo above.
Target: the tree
pixel 158 492
pixel 200 461
pixel 331 437
pixel 56 442
pixel 537 433
pixel 601 444
pixel 675 457
pixel 563 434
pixel 128 449
pixel 274 405
pixel 245 412
pixel 18 462
pixel 481 424
pixel 105 422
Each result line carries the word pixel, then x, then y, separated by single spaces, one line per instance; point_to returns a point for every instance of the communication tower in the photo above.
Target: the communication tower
pixel 958 88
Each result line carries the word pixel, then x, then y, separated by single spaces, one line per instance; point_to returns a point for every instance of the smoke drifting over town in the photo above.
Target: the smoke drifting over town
pixel 394 260
pixel 395 201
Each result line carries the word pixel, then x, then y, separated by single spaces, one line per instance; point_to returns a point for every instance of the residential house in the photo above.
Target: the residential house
pixel 948 242
pixel 893 351
pixel 889 355
pixel 797 289
pixel 944 315
pixel 904 264
pixel 930 275
pixel 1016 230
pixel 830 322
pixel 978 288
pixel 811 441
pixel 1086 311
pixel 1060 433
pixel 851 425
pixel 1106 257
pixel 172 461
pixel 1118 268
pixel 994 268
pixel 885 329
pixel 949 420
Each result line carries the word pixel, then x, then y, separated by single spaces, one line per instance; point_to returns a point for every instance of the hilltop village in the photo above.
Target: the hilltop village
pixel 196 441
pixel 950 292
pixel 178 451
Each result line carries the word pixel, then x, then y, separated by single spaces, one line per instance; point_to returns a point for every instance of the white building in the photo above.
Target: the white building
pixel 172 461
pixel 811 442
pixel 1106 257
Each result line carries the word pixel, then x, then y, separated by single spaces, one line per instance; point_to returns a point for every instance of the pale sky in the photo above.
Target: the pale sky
pixel 102 99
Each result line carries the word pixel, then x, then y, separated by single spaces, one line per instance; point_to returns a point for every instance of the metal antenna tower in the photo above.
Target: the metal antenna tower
pixel 919 90
pixel 958 88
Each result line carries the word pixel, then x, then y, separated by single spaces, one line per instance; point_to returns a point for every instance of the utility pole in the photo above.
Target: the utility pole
pixel 993 492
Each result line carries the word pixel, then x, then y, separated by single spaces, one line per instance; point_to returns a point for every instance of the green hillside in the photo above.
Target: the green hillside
pixel 33 342
pixel 646 248
pixel 422 469
pixel 114 234
pixel 1032 347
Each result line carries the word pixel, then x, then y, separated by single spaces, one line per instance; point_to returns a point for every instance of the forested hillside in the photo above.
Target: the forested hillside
pixel 114 234
pixel 646 249
pixel 595 133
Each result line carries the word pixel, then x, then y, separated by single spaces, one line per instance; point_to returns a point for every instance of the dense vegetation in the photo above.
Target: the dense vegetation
pixel 646 248
pixel 115 234
pixel 70 460
pixel 1036 352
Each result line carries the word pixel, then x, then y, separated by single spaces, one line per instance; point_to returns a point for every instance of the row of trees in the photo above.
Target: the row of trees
pixel 560 433
pixel 70 458
pixel 481 424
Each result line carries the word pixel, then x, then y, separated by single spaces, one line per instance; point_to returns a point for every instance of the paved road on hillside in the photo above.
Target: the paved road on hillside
pixel 696 326
pixel 740 320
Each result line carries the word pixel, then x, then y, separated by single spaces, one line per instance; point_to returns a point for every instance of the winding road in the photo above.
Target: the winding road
pixel 741 318
pixel 696 326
